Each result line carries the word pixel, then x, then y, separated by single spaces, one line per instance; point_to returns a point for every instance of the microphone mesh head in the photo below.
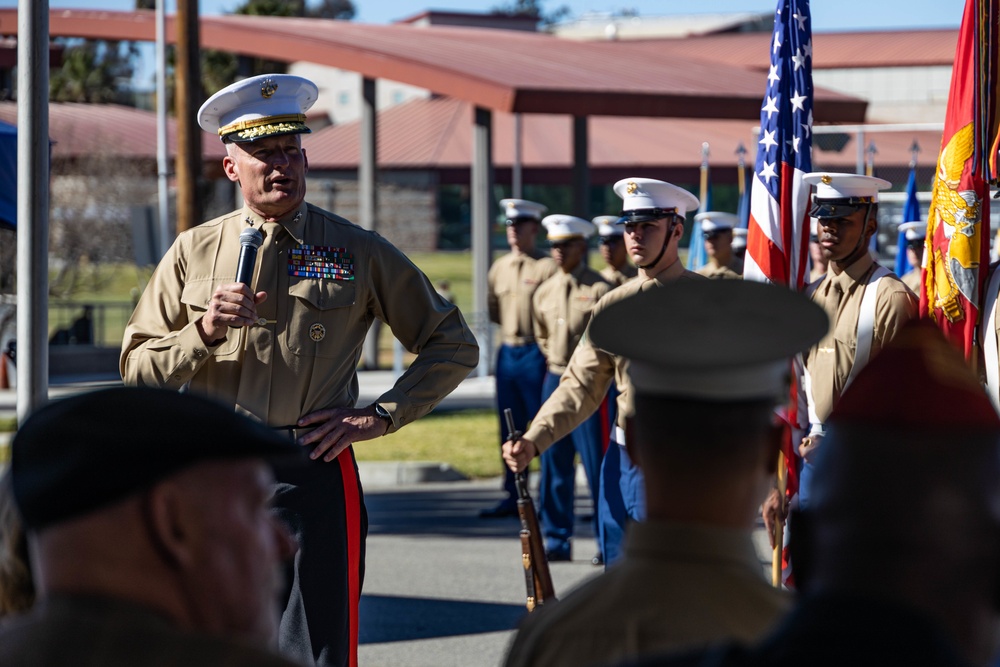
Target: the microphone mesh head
pixel 252 237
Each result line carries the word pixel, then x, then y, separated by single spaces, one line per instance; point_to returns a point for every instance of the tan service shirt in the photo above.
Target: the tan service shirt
pixel 619 276
pixel 912 280
pixel 562 306
pixel 512 281
pixel 303 354
pixel 677 586
pixel 731 271
pixel 591 370
pixel 829 363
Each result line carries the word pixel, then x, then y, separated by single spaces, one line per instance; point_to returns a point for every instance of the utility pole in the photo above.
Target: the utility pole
pixel 188 97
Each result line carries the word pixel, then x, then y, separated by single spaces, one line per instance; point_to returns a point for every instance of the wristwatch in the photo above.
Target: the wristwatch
pixel 382 412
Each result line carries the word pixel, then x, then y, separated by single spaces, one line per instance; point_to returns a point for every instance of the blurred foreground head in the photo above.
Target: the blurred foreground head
pixel 157 498
pixel 906 497
pixel 709 361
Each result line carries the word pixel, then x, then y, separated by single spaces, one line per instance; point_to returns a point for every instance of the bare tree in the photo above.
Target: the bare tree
pixel 90 224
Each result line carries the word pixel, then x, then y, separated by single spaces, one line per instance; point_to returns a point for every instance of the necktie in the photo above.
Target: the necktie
pixel 255 376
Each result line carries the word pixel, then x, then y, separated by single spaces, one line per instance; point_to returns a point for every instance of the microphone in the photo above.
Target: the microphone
pixel 250 240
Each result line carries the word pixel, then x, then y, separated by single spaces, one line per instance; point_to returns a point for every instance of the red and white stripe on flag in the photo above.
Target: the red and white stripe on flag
pixel 777 239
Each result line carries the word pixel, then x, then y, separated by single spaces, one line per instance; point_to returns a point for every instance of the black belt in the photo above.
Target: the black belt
pixel 292 432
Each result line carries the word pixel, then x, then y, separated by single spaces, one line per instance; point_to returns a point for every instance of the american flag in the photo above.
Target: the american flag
pixel 779 202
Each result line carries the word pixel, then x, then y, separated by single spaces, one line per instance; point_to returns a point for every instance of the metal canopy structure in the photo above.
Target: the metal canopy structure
pixel 494 70
pixel 502 70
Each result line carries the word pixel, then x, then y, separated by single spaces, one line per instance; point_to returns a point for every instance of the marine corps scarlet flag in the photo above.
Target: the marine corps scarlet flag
pixel 956 254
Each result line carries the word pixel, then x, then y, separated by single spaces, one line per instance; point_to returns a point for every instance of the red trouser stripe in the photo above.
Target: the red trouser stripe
pixel 352 507
pixel 605 424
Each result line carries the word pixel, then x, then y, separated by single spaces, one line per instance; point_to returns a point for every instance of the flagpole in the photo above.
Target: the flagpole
pixel 704 172
pixel 779 526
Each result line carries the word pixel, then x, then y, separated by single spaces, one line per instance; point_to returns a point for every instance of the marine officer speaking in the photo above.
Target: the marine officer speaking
pixel 284 348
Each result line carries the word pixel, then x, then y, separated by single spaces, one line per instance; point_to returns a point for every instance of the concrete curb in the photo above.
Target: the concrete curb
pixel 375 474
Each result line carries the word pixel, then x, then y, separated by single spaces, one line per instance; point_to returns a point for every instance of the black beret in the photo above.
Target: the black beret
pixel 78 454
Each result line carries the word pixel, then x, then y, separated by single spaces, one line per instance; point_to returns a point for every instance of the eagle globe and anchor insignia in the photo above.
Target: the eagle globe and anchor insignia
pixel 268 88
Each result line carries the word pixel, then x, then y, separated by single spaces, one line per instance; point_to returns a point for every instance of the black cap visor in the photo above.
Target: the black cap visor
pixel 838 208
pixel 646 215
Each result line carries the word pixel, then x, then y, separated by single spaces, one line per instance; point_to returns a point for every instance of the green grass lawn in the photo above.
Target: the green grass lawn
pixel 468 440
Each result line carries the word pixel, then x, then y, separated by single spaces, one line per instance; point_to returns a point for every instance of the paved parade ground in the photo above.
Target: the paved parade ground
pixel 445 587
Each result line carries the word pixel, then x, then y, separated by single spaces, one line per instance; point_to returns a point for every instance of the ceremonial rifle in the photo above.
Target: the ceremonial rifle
pixel 537 579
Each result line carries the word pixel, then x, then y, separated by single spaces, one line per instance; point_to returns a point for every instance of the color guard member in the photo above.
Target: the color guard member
pixel 866 302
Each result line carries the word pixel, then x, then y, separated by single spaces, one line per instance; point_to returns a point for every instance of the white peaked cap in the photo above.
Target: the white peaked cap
pixel 710 339
pixel 559 227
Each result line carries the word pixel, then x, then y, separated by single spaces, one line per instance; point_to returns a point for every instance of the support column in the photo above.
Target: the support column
pixel 482 205
pixel 581 169
pixel 32 206
pixel 189 99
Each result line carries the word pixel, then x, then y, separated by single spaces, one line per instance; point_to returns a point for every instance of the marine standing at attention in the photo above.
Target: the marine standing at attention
pixel 562 307
pixel 619 269
pixel 520 370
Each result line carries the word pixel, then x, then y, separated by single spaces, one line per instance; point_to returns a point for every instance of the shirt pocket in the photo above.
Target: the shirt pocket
pixel 196 296
pixel 846 336
pixel 319 316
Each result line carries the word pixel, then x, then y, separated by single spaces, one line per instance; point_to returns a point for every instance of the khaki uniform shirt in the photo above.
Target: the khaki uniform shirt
pixel 912 280
pixel 512 281
pixel 731 271
pixel 677 586
pixel 303 354
pixel 619 276
pixel 562 306
pixel 591 370
pixel 829 363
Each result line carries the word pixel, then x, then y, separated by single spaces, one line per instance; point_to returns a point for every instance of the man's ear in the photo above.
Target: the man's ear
pixel 871 223
pixel 678 231
pixel 305 159
pixel 166 522
pixel 229 166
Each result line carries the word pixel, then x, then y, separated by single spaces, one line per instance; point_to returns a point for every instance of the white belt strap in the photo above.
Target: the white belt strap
pixel 866 324
pixel 815 425
pixel 988 337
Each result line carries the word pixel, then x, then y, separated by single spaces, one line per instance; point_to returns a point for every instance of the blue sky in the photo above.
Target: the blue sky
pixel 827 14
